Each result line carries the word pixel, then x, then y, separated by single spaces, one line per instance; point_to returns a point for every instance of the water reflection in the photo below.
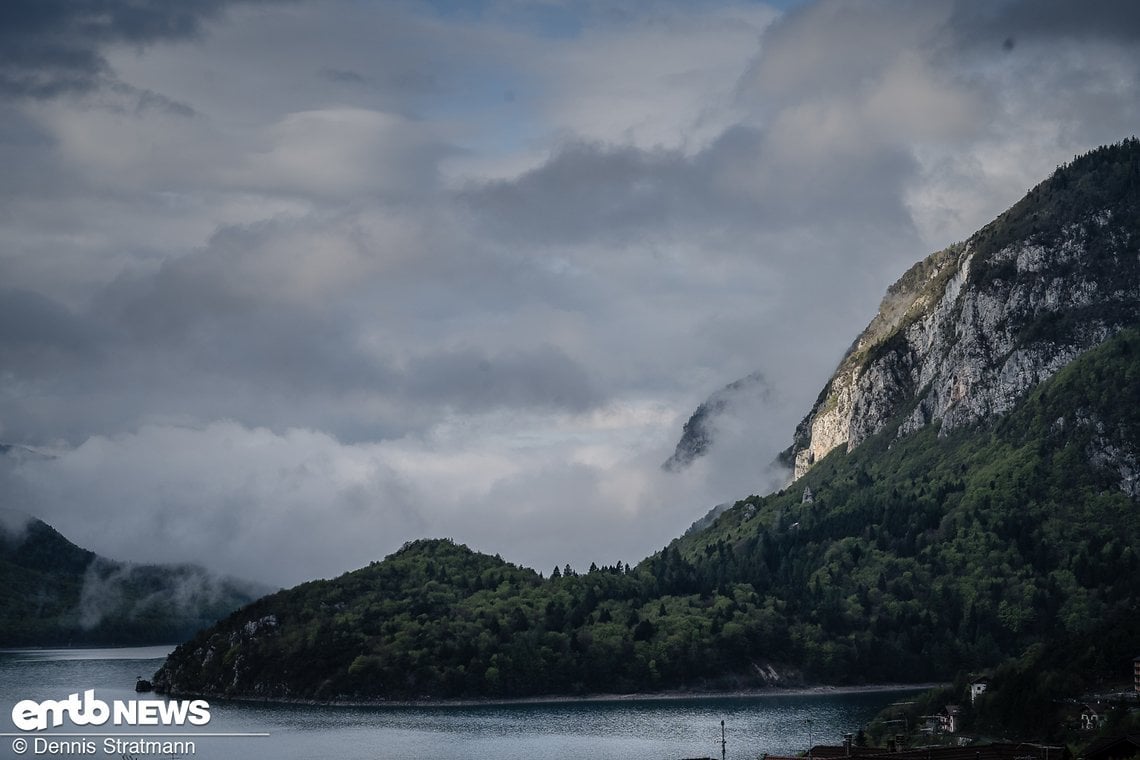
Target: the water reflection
pixel 622 730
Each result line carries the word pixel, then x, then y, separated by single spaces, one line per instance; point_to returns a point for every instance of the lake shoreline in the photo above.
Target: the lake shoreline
pixel 666 696
pixel 133 652
pixel 637 725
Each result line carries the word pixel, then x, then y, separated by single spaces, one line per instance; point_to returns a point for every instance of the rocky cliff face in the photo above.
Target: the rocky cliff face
pixel 966 332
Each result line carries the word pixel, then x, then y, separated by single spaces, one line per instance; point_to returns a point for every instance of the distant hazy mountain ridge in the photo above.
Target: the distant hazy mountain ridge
pixel 53 592
pixel 966 332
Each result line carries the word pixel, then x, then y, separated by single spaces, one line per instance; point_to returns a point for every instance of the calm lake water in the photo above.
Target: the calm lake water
pixel 622 730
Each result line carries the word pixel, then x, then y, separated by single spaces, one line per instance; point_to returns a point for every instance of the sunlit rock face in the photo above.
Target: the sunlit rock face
pixel 970 329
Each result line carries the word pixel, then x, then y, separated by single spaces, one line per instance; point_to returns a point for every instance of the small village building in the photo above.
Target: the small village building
pixel 1090 719
pixel 950 719
pixel 1136 675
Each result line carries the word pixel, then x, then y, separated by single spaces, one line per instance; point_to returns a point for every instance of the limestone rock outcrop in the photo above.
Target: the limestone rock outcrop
pixel 967 331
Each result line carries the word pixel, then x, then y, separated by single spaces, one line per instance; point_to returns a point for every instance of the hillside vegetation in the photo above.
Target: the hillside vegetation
pixel 917 558
pixel 52 593
pixel 926 554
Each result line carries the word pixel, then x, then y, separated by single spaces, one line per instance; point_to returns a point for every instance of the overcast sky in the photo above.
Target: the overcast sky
pixel 285 285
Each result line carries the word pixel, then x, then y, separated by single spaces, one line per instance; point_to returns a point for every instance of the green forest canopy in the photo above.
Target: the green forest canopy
pixel 918 557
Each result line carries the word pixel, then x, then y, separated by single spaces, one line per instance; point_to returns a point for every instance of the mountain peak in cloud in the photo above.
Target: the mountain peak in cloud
pixel 700 431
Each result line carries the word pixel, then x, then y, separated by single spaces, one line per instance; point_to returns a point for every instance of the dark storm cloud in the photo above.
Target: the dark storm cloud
pixel 595 191
pixel 587 191
pixel 276 330
pixel 980 22
pixel 51 47
pixel 205 327
pixel 38 332
pixel 278 324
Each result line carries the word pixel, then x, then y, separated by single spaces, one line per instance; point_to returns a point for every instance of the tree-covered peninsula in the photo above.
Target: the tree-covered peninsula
pixel 968 487
pixel 914 558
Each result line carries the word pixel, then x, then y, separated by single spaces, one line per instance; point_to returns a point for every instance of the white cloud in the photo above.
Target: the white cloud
pixel 285 507
pixel 342 152
pixel 329 277
pixel 664 81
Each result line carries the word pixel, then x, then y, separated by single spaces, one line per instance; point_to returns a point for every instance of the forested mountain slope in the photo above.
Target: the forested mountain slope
pixel 991 504
pixel 931 553
pixel 917 557
pixel 52 592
